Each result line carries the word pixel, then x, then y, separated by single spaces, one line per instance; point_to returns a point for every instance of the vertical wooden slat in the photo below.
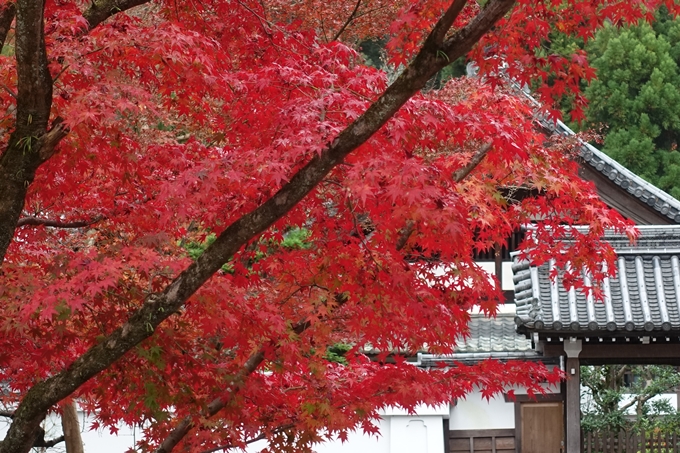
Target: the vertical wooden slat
pixel 472 444
pixel 622 436
pixel 493 444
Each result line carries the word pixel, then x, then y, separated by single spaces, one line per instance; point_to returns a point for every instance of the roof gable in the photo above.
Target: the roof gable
pixel 617 186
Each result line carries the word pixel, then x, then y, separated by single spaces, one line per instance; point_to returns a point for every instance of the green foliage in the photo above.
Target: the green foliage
pixel 195 249
pixel 336 353
pixel 610 397
pixel 636 98
pixel 296 238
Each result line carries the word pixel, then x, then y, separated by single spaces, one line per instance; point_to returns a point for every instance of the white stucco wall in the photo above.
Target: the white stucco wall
pixel 94 441
pixel 400 432
pixel 475 412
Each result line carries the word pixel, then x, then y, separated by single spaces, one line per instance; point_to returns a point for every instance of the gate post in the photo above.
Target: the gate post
pixel 572 348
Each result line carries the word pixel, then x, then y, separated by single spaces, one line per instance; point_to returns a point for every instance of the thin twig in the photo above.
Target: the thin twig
pixel 249 441
pixel 347 22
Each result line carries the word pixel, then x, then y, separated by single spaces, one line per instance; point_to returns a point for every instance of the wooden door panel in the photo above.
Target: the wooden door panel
pixel 542 427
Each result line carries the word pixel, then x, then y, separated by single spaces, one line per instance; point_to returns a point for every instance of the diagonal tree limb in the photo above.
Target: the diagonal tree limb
pixel 183 428
pixel 160 306
pixel 463 172
pixel 7 13
pixel 48 443
pixel 35 221
pixel 100 10
pixel 458 176
pixel 216 405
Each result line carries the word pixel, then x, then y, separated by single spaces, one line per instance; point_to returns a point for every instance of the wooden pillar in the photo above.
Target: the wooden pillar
pixel 572 348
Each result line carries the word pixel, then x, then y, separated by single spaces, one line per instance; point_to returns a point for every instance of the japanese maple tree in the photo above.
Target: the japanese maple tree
pixel 157 158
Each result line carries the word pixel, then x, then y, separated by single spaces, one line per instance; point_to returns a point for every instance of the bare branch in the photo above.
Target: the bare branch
pixel 41 443
pixel 347 22
pixel 462 173
pixel 249 441
pixel 35 221
pixel 8 414
pixel 216 405
pixel 100 10
pixel 7 13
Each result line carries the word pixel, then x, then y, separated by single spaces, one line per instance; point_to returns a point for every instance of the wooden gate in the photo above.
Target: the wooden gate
pixel 542 426
pixel 482 441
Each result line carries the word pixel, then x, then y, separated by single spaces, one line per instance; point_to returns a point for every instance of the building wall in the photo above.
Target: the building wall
pixel 474 412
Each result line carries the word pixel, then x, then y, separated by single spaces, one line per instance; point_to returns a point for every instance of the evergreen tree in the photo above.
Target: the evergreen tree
pixel 636 98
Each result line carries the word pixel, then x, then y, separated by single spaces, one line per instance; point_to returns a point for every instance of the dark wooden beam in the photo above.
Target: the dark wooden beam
pixel 573 406
pixel 633 354
pixel 547 398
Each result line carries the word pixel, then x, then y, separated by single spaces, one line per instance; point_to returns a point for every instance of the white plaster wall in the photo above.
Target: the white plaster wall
pixel 416 434
pixel 399 433
pixel 475 412
pixel 506 282
pixel 94 441
pixel 360 442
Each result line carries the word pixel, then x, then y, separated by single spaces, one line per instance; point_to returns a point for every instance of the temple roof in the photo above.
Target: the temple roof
pixel 492 335
pixel 596 162
pixel 642 299
pixel 489 338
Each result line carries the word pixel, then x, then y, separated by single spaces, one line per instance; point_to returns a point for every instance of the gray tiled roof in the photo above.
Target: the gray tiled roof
pixel 490 338
pixel 492 335
pixel 644 296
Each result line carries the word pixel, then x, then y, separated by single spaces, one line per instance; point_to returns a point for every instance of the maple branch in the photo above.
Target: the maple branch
pixel 8 414
pixel 493 11
pixel 405 233
pixel 159 306
pixel 183 428
pixel 35 221
pixel 463 172
pixel 249 441
pixel 458 176
pixel 100 10
pixel 347 22
pixel 42 443
pixel 216 405
pixel 7 13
